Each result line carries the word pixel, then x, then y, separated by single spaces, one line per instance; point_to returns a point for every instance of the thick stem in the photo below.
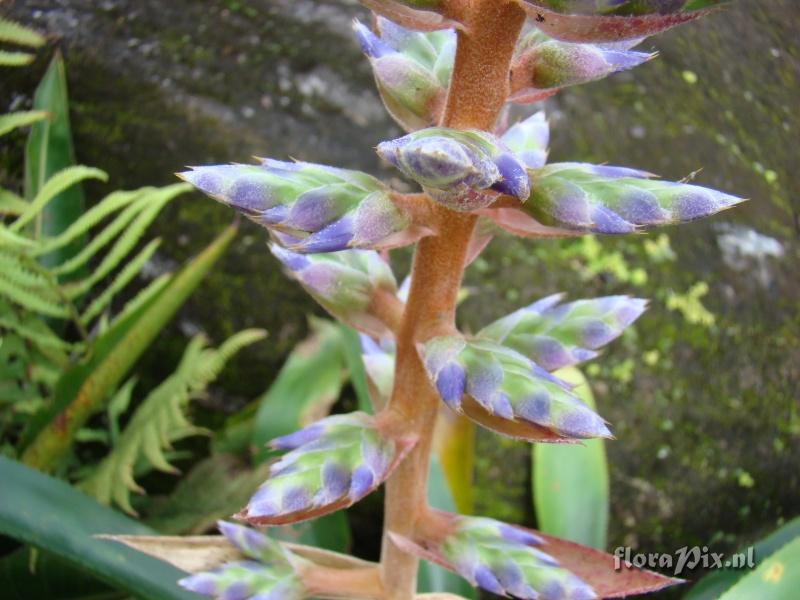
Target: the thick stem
pixel 478 90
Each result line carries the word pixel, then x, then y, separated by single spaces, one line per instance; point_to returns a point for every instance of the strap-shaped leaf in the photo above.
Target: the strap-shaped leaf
pixel 15 59
pixel 345 283
pixel 555 335
pixel 464 170
pixel 529 139
pixel 591 21
pixel 542 66
pixel 331 464
pixel 309 207
pixel 503 390
pixel 412 70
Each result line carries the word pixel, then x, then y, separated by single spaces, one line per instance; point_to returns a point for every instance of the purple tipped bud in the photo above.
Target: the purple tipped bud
pixel 583 424
pixel 520 536
pixel 451 383
pixel 515 181
pixel 202 583
pixel 336 236
pixel 361 482
pixel 335 480
pixel 486 580
pixel 298 438
pixel 528 140
pixel 371 45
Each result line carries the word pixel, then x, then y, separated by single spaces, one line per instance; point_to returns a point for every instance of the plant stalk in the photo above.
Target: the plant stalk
pixel 477 93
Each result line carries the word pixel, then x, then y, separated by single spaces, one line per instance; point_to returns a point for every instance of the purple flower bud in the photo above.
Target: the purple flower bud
pixel 201 583
pixel 450 384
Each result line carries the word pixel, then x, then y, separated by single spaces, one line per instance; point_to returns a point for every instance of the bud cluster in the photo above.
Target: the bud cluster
pixel 307 207
pixel 542 65
pixel 616 200
pixel 412 70
pixel 330 465
pixel 463 170
pixel 344 283
pixel 508 561
pixel 267 572
pixel 555 335
pixel 507 386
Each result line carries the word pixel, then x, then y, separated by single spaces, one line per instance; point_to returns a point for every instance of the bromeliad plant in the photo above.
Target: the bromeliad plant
pixel 446 70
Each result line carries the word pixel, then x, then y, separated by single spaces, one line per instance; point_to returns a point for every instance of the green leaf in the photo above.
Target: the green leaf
pixel 49 151
pixel 215 488
pixel 12 121
pixel 160 420
pixel 49 514
pixel 570 483
pixel 432 577
pixel 777 578
pixel 14 33
pixel 306 387
pixel 83 389
pixel 28 573
pixel 713 585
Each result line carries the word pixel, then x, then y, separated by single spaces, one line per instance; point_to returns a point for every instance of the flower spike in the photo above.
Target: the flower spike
pixel 503 390
pixel 345 283
pixel 463 170
pixel 412 70
pixel 309 207
pixel 330 465
pixel 558 335
pixel 612 20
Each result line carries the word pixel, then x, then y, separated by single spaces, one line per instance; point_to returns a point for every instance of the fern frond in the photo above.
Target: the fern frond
pixel 11 121
pixel 160 419
pixel 14 33
pixel 127 241
pixel 37 333
pixel 122 279
pixel 11 204
pixel 9 239
pixel 59 182
pixel 15 59
pixel 100 240
pixel 32 300
pixel 108 205
pixel 14 269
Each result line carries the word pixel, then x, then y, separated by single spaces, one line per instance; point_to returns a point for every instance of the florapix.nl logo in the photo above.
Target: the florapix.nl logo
pixel 684 560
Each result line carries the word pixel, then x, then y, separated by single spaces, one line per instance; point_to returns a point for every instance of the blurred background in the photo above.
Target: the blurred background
pixel 703 394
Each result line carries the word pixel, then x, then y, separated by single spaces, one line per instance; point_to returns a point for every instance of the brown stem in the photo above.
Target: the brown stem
pixel 478 90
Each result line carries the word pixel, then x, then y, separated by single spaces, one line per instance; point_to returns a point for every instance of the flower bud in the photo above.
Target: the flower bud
pixel 331 464
pixel 542 66
pixel 459 169
pixel 529 139
pixel 555 335
pixel 504 560
pixel 267 574
pixel 344 283
pixel 612 20
pixel 615 200
pixel 508 387
pixel 308 207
